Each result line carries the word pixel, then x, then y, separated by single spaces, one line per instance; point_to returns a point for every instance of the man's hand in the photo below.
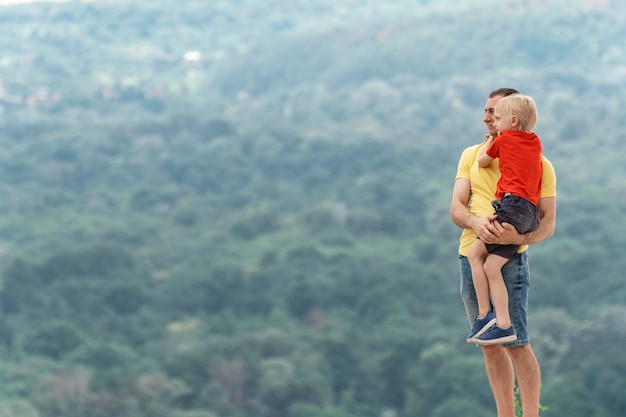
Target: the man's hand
pixel 487 229
pixel 509 235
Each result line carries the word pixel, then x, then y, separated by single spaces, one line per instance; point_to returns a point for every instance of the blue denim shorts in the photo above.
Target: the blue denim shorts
pixel 516 275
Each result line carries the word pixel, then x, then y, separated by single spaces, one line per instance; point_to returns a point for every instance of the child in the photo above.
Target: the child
pixel 519 152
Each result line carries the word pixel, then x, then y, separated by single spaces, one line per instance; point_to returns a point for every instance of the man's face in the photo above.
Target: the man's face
pixel 489 115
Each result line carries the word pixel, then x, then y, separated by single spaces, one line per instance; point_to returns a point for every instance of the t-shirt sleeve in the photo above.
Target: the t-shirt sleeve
pixel 465 164
pixel 548 179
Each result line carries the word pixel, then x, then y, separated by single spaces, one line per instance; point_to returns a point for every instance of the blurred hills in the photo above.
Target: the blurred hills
pixel 240 208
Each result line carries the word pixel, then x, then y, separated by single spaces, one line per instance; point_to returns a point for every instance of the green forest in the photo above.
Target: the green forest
pixel 239 208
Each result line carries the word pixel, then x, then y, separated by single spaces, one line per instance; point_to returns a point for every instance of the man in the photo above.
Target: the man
pixel 471 209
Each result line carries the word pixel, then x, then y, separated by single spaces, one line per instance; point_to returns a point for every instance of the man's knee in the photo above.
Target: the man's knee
pixel 521 353
pixel 495 353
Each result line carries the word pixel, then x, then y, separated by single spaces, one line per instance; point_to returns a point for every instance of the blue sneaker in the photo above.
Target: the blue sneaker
pixel 481 326
pixel 496 335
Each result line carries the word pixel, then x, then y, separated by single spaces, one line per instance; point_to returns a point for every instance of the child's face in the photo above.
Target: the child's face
pixel 502 123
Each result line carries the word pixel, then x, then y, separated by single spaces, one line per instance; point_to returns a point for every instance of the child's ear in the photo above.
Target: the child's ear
pixel 514 121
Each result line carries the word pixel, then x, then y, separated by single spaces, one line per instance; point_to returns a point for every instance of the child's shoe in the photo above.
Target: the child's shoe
pixel 496 335
pixel 481 326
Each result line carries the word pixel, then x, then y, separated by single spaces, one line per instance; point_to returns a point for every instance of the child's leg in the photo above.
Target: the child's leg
pixel 497 288
pixel 476 257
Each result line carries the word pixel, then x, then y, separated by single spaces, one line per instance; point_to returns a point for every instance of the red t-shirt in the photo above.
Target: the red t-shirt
pixel 520 164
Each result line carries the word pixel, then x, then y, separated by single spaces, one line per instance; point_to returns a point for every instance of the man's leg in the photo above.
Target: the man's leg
pixel 527 371
pixel 497 362
pixel 501 378
pixel 528 375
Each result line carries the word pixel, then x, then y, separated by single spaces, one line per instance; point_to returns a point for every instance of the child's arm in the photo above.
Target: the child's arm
pixel 483 159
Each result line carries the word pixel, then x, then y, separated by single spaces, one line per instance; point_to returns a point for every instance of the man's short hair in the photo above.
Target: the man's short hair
pixel 503 92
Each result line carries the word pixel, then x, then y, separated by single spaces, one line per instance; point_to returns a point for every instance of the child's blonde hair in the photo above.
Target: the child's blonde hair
pixel 519 105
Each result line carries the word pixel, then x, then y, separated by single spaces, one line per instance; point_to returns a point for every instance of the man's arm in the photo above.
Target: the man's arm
pixel 547 224
pixel 461 216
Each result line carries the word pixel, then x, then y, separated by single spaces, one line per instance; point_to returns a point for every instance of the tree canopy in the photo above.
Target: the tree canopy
pixel 240 208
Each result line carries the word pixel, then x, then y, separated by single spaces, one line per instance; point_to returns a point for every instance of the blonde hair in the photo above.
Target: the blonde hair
pixel 519 105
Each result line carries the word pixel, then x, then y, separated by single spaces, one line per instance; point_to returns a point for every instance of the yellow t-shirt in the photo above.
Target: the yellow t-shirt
pixel 483 187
